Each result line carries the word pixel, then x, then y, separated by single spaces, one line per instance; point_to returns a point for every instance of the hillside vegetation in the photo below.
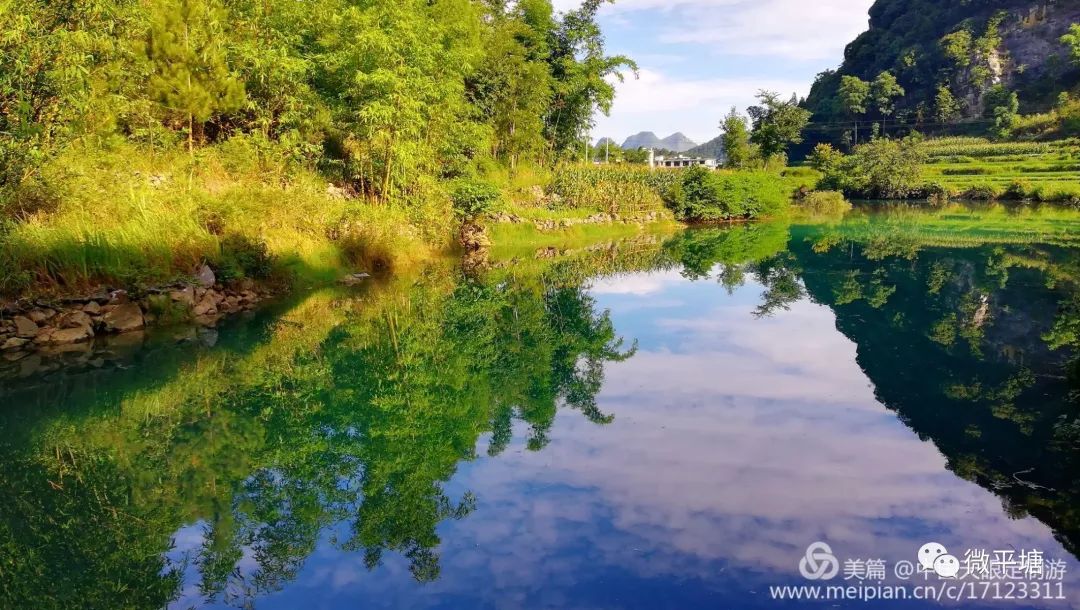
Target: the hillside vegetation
pixel 957 68
pixel 140 138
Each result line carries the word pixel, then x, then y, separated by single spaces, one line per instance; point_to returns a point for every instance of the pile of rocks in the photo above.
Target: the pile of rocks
pixel 209 304
pixel 72 323
pixel 599 218
pixel 562 223
pixel 39 326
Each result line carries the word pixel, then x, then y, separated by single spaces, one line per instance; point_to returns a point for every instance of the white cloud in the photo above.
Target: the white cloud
pixel 657 102
pixel 784 42
pixel 640 284
pixel 794 29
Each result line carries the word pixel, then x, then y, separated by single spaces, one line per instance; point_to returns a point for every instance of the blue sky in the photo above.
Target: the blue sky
pixel 700 57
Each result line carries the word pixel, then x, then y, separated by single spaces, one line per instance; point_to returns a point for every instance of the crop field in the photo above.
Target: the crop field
pixel 976 168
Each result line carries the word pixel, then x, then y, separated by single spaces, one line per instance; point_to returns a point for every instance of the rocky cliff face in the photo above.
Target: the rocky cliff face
pixel 969 46
pixel 1031 53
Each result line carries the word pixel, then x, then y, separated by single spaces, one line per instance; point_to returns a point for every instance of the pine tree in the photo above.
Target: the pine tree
pixel 190 75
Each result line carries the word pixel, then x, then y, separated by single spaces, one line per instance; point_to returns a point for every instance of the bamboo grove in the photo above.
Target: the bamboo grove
pixel 386 97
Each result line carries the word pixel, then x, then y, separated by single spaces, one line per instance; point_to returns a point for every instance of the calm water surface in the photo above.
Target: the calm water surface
pixel 663 422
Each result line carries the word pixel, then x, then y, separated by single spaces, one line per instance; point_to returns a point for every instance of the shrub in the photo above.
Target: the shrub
pixel 703 195
pixel 823 203
pixel 1017 190
pixel 981 192
pixel 244 257
pixel 473 198
pixel 881 168
pixel 966 171
pixel 799 172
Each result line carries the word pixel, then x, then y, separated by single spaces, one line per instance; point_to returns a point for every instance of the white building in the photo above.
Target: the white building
pixel 678 161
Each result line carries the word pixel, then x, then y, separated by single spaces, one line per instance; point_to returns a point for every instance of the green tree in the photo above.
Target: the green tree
pixel 581 73
pixel 190 77
pixel 946 106
pixel 777 123
pixel 853 94
pixel 516 79
pixel 1071 39
pixel 880 168
pixel 738 151
pixel 884 92
pixel 957 47
pixel 1004 107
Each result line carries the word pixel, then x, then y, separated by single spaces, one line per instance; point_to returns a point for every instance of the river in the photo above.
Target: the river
pixel 665 421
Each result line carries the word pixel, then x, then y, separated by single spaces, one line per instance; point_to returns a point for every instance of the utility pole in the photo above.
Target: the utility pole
pixel 607 148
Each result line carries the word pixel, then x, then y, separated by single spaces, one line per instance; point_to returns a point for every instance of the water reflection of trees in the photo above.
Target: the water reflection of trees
pixel 971 335
pixel 348 419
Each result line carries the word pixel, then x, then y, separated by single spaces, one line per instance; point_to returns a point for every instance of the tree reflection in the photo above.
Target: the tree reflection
pixel 360 427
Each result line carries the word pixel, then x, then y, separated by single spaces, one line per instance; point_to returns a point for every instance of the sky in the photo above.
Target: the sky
pixel 698 58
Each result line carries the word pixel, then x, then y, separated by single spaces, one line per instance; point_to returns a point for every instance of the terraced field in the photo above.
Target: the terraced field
pixel 976 168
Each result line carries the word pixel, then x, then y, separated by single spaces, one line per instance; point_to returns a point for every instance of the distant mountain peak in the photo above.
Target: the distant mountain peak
pixel 646 139
pixel 678 142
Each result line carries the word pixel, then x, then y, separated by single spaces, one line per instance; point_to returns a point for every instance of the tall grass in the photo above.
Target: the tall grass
pixel 126 217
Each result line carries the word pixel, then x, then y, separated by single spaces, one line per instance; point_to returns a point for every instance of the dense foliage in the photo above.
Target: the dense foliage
pixel 702 195
pixel 881 168
pixel 386 97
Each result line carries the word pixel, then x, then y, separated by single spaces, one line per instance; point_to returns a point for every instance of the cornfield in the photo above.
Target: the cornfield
pixel 615 190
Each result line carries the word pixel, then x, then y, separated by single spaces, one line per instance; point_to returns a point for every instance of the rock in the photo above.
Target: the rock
pixel 208 337
pixel 41 315
pixel 207 320
pixel 71 335
pixel 206 277
pixel 336 192
pixel 355 279
pixel 100 297
pixel 184 334
pixel 75 319
pixel 92 308
pixel 205 307
pixel 185 295
pixel 129 341
pixel 473 237
pixel 15 355
pixel 123 318
pixel 78 347
pixel 14 343
pixel 25 327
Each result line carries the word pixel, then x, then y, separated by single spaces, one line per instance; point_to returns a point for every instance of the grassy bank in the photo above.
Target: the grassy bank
pixel 126 216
